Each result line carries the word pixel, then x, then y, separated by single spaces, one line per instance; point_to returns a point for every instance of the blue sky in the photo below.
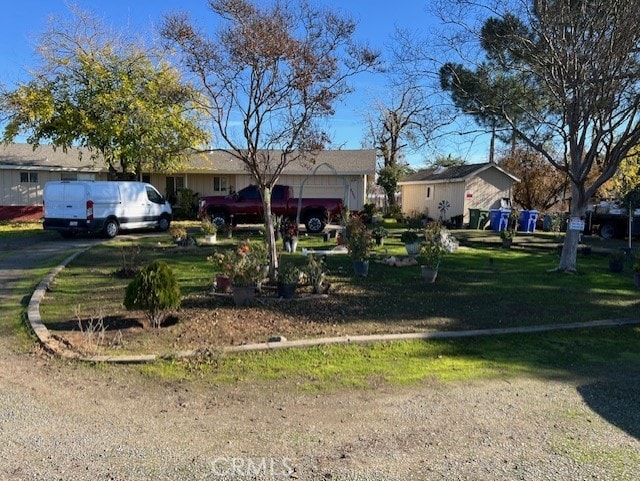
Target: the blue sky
pixel 376 23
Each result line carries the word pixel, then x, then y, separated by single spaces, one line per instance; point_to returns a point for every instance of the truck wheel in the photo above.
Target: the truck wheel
pixel 110 228
pixel 315 223
pixel 219 219
pixel 607 231
pixel 163 223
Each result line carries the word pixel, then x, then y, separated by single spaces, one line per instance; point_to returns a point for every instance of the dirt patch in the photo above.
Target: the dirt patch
pixel 210 321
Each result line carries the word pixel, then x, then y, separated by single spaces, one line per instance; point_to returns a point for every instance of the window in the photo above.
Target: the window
pixel 219 184
pixel 28 177
pixel 429 192
pixel 154 196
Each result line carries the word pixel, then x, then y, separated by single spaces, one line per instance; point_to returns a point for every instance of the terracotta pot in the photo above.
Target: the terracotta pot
pixel 223 283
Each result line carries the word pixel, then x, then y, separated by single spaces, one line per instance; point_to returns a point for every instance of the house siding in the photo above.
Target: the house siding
pixel 354 170
pixel 486 190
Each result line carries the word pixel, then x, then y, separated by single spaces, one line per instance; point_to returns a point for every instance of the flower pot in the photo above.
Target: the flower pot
pixel 413 249
pixel 506 243
pixel 429 274
pixel 223 283
pixel 243 295
pixel 361 268
pixel 210 238
pixel 286 291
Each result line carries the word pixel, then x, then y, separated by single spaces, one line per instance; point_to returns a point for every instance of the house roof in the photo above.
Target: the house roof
pixel 45 157
pixel 457 173
pixel 25 157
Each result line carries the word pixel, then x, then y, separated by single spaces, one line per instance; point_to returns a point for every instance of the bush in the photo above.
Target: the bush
pixel 154 290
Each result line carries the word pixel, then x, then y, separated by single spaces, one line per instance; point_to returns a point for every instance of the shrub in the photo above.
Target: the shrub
pixel 359 240
pixel 154 290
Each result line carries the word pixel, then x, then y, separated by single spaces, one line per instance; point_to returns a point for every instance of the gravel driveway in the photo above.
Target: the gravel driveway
pixel 63 421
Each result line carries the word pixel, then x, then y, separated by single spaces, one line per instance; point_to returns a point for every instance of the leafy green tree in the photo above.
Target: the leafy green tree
pixel 447 161
pixel 98 91
pixel 272 74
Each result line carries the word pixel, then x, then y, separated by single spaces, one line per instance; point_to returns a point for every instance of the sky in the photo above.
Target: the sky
pixel 25 21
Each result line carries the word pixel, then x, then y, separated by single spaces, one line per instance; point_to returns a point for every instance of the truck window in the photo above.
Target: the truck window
pixel 278 192
pixel 250 193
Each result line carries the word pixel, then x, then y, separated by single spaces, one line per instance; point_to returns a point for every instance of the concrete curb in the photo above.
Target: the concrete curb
pixel 45 338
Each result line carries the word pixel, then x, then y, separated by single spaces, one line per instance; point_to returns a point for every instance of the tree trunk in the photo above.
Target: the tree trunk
pixel 270 233
pixel 568 258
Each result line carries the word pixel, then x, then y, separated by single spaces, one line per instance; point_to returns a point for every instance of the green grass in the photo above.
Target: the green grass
pixel 476 287
pixel 480 287
pixel 548 355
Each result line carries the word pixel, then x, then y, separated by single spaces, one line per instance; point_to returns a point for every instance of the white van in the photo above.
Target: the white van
pixel 71 207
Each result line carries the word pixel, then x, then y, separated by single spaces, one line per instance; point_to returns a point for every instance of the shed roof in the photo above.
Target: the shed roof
pixel 457 173
pixel 45 157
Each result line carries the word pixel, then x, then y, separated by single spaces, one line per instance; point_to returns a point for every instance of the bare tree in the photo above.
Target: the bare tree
pixel 271 75
pixel 398 125
pixel 583 58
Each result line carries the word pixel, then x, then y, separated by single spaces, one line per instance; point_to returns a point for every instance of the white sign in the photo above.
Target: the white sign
pixel 576 223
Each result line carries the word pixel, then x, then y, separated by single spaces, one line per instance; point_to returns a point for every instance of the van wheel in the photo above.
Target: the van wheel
pixel 111 228
pixel 163 223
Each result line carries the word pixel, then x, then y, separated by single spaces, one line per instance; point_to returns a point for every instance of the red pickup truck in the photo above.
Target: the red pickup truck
pixel 246 208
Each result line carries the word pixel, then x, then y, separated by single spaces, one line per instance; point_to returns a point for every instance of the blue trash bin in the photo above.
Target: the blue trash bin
pixel 527 220
pixel 499 219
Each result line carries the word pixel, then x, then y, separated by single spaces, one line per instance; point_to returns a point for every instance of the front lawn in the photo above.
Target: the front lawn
pixel 480 287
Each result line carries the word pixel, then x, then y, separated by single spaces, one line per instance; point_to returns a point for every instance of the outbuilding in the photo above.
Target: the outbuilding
pixel 449 193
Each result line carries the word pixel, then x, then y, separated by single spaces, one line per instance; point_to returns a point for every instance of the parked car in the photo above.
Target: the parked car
pixel 72 207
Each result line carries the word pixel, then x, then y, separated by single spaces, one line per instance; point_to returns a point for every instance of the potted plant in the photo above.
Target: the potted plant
pixel 210 230
pixel 359 245
pixel 244 267
pixel 437 243
pixel 616 261
pixel 636 269
pixel 179 235
pixel 315 272
pixel 290 235
pixel 411 241
pixel 379 233
pixel 288 278
pixel 507 236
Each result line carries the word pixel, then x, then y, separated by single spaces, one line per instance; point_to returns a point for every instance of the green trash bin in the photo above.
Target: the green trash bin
pixel 474 218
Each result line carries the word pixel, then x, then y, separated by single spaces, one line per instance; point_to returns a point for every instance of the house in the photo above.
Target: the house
pixel 24 171
pixel 446 193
